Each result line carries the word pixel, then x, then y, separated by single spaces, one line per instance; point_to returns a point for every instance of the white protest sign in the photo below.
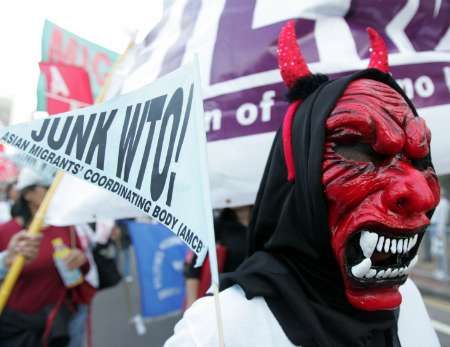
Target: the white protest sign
pixel 87 204
pixel 148 147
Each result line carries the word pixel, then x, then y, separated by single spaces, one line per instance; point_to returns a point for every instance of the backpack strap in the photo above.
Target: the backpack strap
pixel 51 318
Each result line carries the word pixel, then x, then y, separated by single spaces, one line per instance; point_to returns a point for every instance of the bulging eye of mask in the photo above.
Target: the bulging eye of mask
pixel 359 152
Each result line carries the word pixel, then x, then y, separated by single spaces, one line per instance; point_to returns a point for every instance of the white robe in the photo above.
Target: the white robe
pixel 249 323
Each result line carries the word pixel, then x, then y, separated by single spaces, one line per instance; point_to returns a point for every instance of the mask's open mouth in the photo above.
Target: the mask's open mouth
pixel 381 258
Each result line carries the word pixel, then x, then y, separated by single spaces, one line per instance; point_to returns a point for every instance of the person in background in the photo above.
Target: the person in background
pixel 95 239
pixel 230 227
pixel 105 254
pixel 6 204
pixel 40 307
pixel 11 193
pixel 121 237
pixel 81 319
pixel 20 244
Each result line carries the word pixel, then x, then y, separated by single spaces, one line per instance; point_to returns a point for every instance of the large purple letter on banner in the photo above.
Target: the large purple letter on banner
pixel 422 37
pixel 241 50
pixel 379 15
pixel 417 29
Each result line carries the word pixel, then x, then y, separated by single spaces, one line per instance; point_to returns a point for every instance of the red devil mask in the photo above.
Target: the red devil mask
pixel 378 193
pixel 378 181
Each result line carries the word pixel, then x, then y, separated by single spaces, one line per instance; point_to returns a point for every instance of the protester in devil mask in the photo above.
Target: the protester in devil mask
pixel 346 195
pixel 43 299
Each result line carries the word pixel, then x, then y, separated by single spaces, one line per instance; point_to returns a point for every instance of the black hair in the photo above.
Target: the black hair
pixel 227 215
pixel 9 188
pixel 21 208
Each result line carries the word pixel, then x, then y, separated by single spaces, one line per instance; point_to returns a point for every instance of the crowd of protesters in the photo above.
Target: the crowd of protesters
pixel 43 308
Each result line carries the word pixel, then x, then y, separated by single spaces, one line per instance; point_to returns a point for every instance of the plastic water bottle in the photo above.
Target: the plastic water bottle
pixel 71 278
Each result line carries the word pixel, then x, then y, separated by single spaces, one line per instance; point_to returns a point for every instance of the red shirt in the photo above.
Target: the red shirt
pixel 39 284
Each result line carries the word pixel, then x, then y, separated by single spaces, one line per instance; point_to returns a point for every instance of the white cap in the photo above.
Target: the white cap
pixel 28 177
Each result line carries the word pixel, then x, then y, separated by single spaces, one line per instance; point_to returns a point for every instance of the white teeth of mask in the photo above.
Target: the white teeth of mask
pixel 361 269
pixel 412 242
pixel 393 246
pixel 387 273
pixel 380 243
pixel 368 242
pixel 405 245
pixel 394 273
pixel 412 263
pixel 371 273
pixel 380 274
pixel 387 243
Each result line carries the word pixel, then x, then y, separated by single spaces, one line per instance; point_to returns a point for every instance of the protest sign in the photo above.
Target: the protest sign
pixel 159 260
pixel 244 96
pixel 146 147
pixel 68 87
pixel 87 204
pixel 63 47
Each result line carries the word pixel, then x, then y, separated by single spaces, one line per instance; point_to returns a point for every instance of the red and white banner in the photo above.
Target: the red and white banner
pixel 67 88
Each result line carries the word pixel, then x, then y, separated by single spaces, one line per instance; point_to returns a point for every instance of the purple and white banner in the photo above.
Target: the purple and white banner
pixel 244 98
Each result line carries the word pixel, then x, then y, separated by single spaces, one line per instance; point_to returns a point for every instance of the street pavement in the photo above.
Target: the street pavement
pixel 439 311
pixel 112 326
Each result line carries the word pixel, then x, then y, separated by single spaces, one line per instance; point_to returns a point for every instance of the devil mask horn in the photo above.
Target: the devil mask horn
pixel 378 52
pixel 290 59
pixel 293 66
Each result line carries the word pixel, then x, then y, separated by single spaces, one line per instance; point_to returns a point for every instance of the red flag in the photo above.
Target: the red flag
pixel 68 87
